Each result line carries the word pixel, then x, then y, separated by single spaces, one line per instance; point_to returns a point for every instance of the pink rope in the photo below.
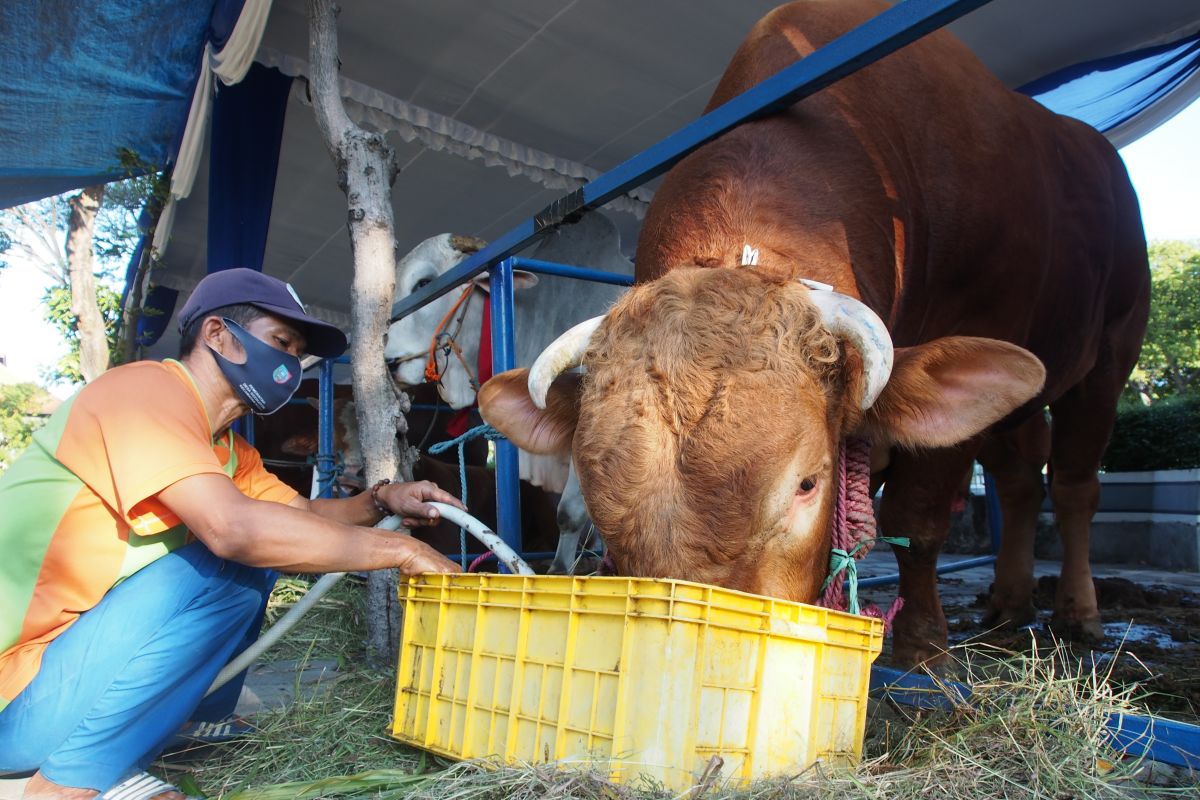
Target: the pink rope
pixel 478 561
pixel 853 524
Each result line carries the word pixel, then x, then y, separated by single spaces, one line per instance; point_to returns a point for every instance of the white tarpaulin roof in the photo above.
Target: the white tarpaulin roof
pixel 558 86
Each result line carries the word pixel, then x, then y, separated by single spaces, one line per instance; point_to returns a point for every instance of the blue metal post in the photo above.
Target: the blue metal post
pixel 325 454
pixel 508 488
pixel 995 518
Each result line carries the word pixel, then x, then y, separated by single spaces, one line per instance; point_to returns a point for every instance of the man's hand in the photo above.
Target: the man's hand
pixel 423 558
pixel 411 502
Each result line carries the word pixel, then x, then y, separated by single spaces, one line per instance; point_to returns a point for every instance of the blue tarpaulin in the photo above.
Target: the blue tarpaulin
pixel 84 80
pixel 1111 91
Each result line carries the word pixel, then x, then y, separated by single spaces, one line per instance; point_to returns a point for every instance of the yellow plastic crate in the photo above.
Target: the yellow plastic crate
pixel 651 677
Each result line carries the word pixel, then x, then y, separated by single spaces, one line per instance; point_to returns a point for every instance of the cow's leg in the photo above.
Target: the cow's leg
pixel 916 503
pixel 573 523
pixel 1015 460
pixel 1082 420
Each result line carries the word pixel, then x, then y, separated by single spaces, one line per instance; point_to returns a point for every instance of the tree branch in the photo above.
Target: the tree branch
pixel 93 339
pixel 324 77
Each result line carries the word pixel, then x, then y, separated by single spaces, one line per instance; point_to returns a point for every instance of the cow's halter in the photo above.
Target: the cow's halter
pixel 443 340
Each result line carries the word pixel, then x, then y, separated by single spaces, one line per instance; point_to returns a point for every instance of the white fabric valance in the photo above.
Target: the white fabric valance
pixel 376 110
pixel 230 64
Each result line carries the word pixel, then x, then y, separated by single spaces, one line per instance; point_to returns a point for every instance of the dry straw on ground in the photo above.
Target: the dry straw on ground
pixel 1033 728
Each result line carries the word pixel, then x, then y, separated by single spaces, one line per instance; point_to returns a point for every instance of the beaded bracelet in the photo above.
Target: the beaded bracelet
pixel 375 496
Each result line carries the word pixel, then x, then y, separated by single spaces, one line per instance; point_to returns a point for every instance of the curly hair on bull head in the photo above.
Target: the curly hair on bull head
pixel 753 322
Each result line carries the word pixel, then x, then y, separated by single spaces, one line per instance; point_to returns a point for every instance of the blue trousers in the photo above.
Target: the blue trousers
pixel 115 686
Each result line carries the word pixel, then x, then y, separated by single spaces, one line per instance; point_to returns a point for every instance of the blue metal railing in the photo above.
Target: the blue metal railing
pixel 508 497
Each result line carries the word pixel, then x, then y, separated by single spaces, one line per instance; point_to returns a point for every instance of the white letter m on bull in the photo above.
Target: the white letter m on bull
pixel 749 256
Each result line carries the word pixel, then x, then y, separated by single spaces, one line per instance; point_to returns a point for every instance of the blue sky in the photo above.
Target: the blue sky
pixel 1164 166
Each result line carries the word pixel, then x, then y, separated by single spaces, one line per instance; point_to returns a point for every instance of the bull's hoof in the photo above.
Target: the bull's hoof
pixel 922 653
pixel 1087 631
pixel 1009 618
pixel 937 661
pixel 919 638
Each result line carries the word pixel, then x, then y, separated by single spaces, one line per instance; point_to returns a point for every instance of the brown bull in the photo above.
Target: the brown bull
pixel 989 236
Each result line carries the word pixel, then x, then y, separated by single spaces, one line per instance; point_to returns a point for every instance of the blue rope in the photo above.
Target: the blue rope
pixel 327 479
pixel 487 432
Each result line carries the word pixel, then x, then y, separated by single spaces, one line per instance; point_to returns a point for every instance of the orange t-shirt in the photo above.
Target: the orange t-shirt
pixel 79 510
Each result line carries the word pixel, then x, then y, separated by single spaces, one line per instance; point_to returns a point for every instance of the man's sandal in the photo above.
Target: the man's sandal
pixel 198 733
pixel 141 786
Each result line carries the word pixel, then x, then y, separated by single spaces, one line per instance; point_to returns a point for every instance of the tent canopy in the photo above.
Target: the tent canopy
pixel 496 108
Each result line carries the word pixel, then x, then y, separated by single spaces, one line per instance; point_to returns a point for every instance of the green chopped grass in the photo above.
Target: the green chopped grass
pixel 1034 728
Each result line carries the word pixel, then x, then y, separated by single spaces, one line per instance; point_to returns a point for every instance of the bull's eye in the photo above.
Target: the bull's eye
pixel 421 284
pixel 807 487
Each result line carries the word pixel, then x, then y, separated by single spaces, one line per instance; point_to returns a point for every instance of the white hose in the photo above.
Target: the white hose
pixel 319 589
pixel 285 624
pixel 486 536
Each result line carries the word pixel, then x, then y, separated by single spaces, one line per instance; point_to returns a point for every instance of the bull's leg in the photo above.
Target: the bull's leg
pixel 916 503
pixel 1015 460
pixel 1082 422
pixel 573 523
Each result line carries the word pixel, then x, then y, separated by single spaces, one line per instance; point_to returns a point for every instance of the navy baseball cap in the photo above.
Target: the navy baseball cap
pixel 250 287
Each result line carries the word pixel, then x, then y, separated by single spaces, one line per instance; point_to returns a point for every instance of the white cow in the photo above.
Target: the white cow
pixel 543 306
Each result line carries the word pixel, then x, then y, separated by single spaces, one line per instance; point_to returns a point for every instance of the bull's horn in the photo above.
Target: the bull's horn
pixel 466 244
pixel 564 353
pixel 847 318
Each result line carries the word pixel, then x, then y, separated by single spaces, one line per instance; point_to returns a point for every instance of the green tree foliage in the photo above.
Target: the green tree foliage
pixel 1169 365
pixel 21 407
pixel 37 230
pixel 57 302
pixel 119 227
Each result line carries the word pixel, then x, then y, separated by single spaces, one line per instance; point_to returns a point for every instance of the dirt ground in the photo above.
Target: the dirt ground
pixel 1153 639
pixel 1151 618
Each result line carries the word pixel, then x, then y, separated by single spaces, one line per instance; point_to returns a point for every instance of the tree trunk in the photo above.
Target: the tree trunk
pixel 131 314
pixel 93 342
pixel 366 167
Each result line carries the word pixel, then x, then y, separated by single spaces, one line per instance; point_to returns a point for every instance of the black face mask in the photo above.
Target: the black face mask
pixel 269 377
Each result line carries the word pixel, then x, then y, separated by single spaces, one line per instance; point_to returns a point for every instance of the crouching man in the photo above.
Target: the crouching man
pixel 138 533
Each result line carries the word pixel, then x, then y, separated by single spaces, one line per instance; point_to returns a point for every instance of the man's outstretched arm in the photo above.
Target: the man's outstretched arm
pixel 265 534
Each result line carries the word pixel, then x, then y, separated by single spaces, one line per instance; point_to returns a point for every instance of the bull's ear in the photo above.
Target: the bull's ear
pixel 301 444
pixel 945 391
pixel 504 403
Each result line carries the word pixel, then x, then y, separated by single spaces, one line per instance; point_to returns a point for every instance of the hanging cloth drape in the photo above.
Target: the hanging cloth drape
pixel 1125 96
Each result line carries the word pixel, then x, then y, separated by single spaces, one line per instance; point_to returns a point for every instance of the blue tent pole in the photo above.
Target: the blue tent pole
pixel 995 517
pixel 325 456
pixel 508 490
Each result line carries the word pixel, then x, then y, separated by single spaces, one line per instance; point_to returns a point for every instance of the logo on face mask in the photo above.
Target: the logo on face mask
pixel 281 374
